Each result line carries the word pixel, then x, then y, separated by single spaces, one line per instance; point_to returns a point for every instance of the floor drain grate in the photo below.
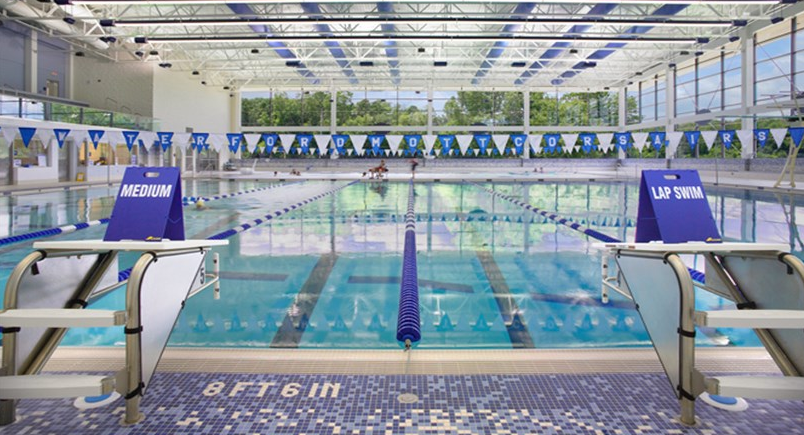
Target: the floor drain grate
pixel 408 398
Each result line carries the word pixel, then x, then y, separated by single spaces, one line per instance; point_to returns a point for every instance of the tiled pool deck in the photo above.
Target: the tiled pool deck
pixel 554 393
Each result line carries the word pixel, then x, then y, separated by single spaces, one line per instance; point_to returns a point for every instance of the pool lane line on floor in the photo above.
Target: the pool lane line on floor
pixel 297 317
pixel 517 331
pixel 66 229
pixel 695 274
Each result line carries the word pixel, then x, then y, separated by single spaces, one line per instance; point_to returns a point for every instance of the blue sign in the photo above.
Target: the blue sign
pixel 413 142
pixel 165 139
pixel 235 139
pixel 27 133
pixel 622 140
pixel 304 142
pixel 796 133
pixel 673 208
pixel 693 137
pixel 130 138
pixel 270 142
pixel 95 136
pixel 340 140
pixel 727 137
pixel 376 140
pixel 657 139
pixel 588 142
pixel 199 141
pixel 148 206
pixel 551 143
pixel 762 135
pixel 482 141
pixel 519 141
pixel 61 135
pixel 446 143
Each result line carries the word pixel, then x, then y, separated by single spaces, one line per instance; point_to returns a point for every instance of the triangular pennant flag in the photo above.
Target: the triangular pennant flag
pixel 322 142
pixel 115 137
pixel 519 141
pixel 693 137
pixel 95 136
pixel 778 136
pixel 639 139
pixel 551 143
pixel 709 137
pixel 165 139
pixel 727 137
pixel 500 141
pixel 489 151
pixel 762 135
pixel 482 141
pixel 622 140
pixel 657 139
pixel 9 133
pixel 349 152
pixel 464 140
pixel 182 140
pixel 387 152
pixel 358 141
pixel 588 142
pixel 476 151
pixel 393 142
pixel 746 142
pixel 569 140
pixel 61 135
pixel 26 134
pixel 673 139
pixel 46 135
pixel 218 141
pixel 412 141
pixel 287 141
pixel 199 141
pixel 605 141
pixel 147 138
pixel 252 139
pixel 339 142
pixel 429 143
pixel 447 142
pixel 304 142
pixel 375 142
pixel 796 133
pixel 535 143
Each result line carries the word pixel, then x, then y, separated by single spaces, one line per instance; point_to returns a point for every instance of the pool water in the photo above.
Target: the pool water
pixel 327 275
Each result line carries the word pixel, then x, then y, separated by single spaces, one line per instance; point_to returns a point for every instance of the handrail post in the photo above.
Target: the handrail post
pixel 686 348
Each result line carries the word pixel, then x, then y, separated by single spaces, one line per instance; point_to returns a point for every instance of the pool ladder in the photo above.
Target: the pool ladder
pixel 48 290
pixel 766 284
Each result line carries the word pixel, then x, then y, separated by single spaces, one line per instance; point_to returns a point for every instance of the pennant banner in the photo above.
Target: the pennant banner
pixel 61 135
pixel 199 141
pixel 165 139
pixel 429 143
pixel 727 137
pixel 673 139
pixel 796 133
pixel 234 139
pixel 622 140
pixel 639 140
pixel 393 142
pixel 358 141
pixel 464 140
pixel 588 142
pixel 412 141
pixel 95 136
pixel 778 136
pixel 251 141
pixel 605 141
pixel 340 141
pixel 762 135
pixel 130 138
pixel 375 142
pixel 536 143
pixel 693 137
pixel 304 143
pixel 551 143
pixel 500 142
pixel 482 141
pixel 322 142
pixel 519 141
pixel 657 139
pixel 446 140
pixel 287 141
pixel 569 141
pixel 709 138
pixel 269 139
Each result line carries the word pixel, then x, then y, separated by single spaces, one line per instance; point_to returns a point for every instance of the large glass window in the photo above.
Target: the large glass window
pixel 274 109
pixel 772 71
pixel 685 89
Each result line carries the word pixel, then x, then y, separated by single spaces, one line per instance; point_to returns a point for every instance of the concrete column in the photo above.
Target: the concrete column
pixel 430 109
pixel 31 62
pixel 526 120
pixel 747 85
pixel 333 110
pixel 669 104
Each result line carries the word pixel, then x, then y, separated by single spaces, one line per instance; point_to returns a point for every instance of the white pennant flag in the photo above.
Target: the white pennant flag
pixel 639 139
pixel 218 141
pixel 393 142
pixel 349 152
pixel 78 136
pixel 747 143
pixel 182 140
pixel 569 140
pixel 322 142
pixel 476 151
pixel 464 140
pixel 46 135
pixel 429 143
pixel 500 141
pixel 778 135
pixel 673 139
pixel 252 140
pixel 605 140
pixel 387 152
pixel 287 141
pixel 9 133
pixel 148 138
pixel 535 143
pixel 115 137
pixel 358 140
pixel 709 138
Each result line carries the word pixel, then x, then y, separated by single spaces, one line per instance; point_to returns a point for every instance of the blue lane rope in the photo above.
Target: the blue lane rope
pixel 66 229
pixel 124 274
pixel 695 274
pixel 187 200
pixel 408 327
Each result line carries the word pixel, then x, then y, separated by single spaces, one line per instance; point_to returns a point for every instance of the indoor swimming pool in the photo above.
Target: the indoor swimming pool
pixel 327 275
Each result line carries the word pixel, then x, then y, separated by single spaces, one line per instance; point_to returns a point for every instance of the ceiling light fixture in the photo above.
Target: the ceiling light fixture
pixel 480 38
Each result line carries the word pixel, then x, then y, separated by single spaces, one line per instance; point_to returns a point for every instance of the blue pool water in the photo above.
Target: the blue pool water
pixel 491 274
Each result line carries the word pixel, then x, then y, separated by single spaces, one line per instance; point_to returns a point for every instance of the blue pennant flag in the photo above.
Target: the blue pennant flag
pixel 304 142
pixel 413 141
pixel 131 138
pixel 95 136
pixel 482 141
pixel 27 133
pixel 588 142
pixel 623 140
pixel 551 143
pixel 235 139
pixel 446 140
pixel 165 139
pixel 199 141
pixel 762 135
pixel 727 137
pixel 796 133
pixel 519 141
pixel 61 135
pixel 376 140
pixel 269 139
pixel 340 141
pixel 657 139
pixel 692 138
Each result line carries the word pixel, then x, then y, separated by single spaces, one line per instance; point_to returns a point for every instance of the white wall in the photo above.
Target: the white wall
pixel 126 87
pixel 180 101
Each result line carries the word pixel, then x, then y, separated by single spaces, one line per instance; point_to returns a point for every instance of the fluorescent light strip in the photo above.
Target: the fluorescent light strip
pixel 628 40
pixel 210 2
pixel 455 20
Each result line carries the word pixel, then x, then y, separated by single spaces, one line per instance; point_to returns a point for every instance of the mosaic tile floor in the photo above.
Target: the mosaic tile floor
pixel 206 403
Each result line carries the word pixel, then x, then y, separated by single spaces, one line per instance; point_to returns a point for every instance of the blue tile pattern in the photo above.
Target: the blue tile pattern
pixel 207 403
